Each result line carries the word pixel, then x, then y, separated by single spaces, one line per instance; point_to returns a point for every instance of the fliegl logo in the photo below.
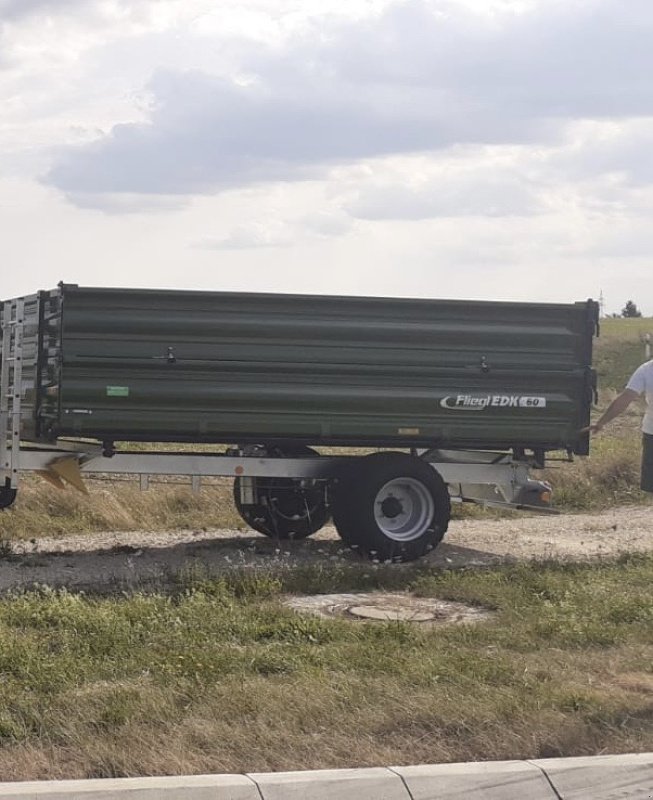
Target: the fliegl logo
pixel 476 402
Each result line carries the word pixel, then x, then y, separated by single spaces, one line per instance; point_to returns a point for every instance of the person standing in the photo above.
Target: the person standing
pixel 640 384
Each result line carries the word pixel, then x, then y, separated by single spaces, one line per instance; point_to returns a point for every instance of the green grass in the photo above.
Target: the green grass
pixel 221 677
pixel 608 478
pixel 620 350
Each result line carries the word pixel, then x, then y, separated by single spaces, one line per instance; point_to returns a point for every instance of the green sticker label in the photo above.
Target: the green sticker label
pixel 117 391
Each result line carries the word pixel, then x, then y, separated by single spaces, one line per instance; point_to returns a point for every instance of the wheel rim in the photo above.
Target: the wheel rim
pixel 403 509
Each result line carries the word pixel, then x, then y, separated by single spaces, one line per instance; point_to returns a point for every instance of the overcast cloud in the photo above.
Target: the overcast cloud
pixel 15 10
pixel 419 77
pixel 486 148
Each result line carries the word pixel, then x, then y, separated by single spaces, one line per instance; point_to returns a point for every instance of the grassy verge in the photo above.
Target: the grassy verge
pixel 610 477
pixel 42 510
pixel 222 677
pixel 620 350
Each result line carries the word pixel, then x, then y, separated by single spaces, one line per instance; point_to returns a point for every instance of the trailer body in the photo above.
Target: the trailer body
pixel 477 392
pixel 152 365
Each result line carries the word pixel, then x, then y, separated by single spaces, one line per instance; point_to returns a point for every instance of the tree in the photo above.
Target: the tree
pixel 630 310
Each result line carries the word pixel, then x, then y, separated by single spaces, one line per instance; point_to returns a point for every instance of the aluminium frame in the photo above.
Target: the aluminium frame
pixel 495 483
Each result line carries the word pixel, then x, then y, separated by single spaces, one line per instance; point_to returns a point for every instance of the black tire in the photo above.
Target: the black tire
pixel 7 496
pixel 391 507
pixel 287 508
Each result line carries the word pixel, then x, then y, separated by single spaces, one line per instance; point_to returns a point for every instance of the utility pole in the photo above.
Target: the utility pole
pixel 602 304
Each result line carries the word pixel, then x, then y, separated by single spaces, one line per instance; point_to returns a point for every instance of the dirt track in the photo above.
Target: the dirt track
pixel 106 561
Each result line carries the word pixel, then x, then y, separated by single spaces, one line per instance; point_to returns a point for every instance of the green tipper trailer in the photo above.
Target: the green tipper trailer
pixel 467 388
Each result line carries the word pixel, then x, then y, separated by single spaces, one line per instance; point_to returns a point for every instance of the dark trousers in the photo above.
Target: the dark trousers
pixel 647 463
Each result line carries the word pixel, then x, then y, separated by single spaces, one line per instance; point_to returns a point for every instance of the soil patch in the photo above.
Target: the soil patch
pixel 107 562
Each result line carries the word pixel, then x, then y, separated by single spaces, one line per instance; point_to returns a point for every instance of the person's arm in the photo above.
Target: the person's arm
pixel 616 407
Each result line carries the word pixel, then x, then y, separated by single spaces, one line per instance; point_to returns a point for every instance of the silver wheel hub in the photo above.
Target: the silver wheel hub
pixel 403 509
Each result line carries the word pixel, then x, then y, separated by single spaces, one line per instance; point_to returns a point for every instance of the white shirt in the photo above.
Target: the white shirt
pixel 642 383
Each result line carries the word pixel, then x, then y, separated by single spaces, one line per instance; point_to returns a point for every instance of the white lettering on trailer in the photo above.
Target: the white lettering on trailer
pixel 474 402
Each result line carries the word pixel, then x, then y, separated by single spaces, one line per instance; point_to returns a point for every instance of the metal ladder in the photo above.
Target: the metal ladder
pixel 11 382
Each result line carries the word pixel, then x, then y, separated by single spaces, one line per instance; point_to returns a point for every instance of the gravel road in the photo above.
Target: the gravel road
pixel 107 561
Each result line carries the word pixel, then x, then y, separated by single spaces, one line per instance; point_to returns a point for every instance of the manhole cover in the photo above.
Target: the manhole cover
pixel 398 614
pixel 388 607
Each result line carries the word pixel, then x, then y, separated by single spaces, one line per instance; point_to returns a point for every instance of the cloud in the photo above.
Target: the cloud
pixel 125 203
pixel 621 150
pixel 207 134
pixel 326 224
pixel 570 59
pixel 418 77
pixel 15 10
pixel 487 192
pixel 280 233
pixel 248 236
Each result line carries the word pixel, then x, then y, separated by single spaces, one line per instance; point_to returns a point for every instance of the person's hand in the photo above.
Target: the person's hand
pixel 595 428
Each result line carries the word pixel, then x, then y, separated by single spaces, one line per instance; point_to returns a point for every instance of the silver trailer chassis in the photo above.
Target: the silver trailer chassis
pixel 499 482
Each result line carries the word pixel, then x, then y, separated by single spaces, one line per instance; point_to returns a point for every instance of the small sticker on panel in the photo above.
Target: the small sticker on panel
pixel 117 391
pixel 408 431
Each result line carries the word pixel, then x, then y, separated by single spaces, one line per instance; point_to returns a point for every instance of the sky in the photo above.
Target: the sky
pixel 481 149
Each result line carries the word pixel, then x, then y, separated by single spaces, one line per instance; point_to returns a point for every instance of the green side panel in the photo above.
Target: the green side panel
pixel 229 367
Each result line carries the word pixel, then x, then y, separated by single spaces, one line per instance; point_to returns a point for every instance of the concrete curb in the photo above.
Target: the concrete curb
pixel 624 777
pixel 601 777
pixel 498 780
pixel 344 784
pixel 191 787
